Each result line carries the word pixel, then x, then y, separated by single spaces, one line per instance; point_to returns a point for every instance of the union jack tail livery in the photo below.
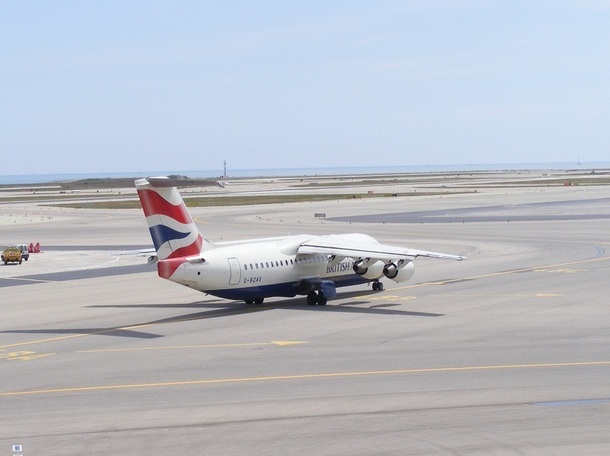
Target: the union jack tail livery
pixel 171 227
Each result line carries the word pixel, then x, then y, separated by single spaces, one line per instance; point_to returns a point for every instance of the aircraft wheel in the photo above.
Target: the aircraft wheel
pixel 259 300
pixel 312 298
pixel 249 301
pixel 322 299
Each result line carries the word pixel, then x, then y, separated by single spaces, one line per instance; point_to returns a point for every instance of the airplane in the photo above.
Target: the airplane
pixel 254 269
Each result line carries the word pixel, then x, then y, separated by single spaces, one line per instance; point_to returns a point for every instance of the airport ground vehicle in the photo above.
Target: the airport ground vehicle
pixel 25 253
pixel 12 255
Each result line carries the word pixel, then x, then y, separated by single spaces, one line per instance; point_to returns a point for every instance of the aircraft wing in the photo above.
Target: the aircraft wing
pixel 365 247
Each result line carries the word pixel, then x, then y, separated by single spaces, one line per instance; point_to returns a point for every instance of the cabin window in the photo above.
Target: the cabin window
pixel 256 265
pixel 245 267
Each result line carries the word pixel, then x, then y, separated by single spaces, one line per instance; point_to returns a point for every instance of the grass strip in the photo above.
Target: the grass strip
pixel 214 201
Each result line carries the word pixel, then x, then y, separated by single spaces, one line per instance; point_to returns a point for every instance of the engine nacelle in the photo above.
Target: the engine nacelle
pixel 399 274
pixel 367 269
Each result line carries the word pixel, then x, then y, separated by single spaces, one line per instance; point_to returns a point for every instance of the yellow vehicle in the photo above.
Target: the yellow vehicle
pixel 12 255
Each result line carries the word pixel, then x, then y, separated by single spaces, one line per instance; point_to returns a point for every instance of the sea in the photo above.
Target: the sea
pixel 304 172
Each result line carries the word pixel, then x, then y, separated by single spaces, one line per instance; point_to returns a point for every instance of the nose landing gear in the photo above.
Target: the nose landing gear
pixel 377 286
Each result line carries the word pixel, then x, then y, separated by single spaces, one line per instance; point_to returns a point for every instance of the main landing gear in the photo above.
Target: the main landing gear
pixel 316 297
pixel 255 301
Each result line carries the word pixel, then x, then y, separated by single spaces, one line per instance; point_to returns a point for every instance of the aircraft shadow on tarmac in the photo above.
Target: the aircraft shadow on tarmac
pixel 227 308
pixel 221 308
pixel 116 332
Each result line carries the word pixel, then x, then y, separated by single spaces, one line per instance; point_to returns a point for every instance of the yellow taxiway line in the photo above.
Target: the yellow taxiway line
pixel 86 389
pixel 502 273
pixel 277 343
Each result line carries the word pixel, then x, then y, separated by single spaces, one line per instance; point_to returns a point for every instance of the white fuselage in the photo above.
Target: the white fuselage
pixel 261 268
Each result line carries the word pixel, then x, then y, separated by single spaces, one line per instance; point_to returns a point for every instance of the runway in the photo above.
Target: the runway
pixel 504 353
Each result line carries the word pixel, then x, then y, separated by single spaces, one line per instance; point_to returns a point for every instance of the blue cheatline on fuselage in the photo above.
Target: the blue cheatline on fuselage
pixel 288 290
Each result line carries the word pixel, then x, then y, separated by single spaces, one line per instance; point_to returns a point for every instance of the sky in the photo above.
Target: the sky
pixel 121 86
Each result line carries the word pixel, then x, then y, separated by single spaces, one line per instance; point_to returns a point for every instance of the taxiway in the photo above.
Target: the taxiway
pixel 507 352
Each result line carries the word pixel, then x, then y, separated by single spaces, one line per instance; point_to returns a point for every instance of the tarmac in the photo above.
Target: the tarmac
pixel 507 352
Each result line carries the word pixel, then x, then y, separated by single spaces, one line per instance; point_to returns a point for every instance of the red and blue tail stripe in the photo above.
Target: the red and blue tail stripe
pixel 171 227
pixel 154 204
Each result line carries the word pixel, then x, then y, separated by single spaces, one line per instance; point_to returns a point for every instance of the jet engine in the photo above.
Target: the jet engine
pixel 370 269
pixel 399 273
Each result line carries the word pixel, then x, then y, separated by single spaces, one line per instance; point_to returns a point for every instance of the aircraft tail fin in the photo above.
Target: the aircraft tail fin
pixel 171 227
